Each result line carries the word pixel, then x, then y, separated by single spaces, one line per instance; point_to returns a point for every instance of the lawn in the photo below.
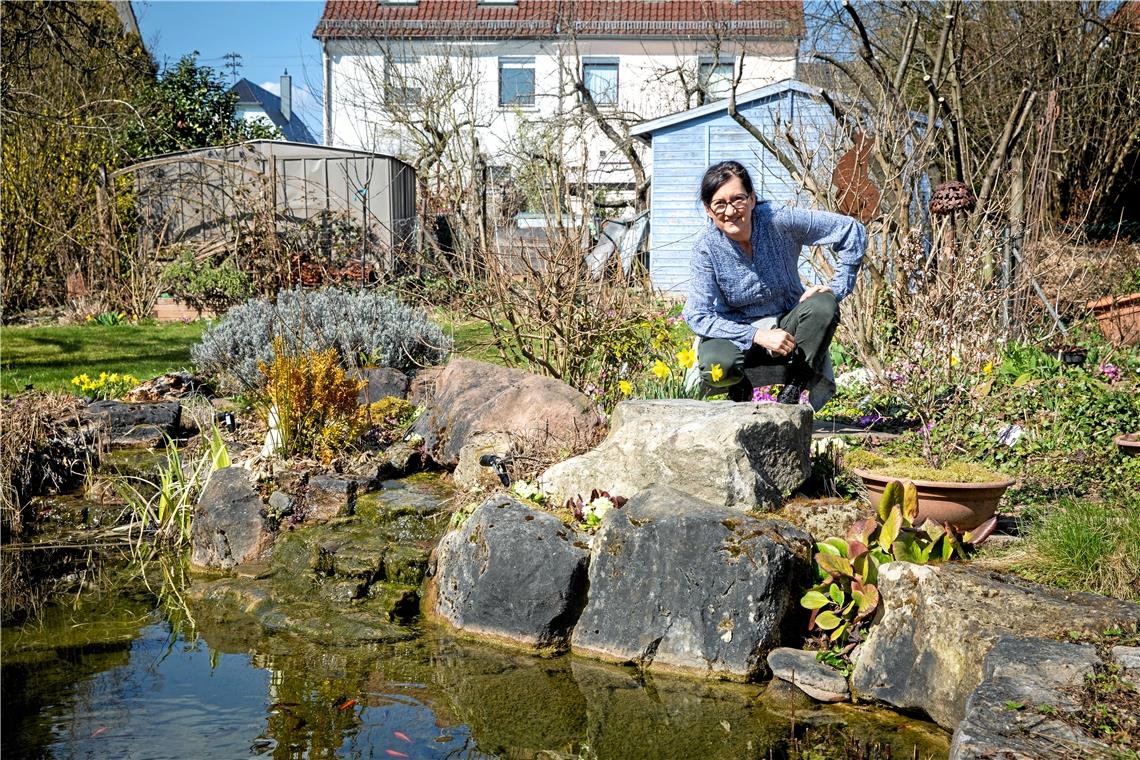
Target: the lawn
pixel 46 358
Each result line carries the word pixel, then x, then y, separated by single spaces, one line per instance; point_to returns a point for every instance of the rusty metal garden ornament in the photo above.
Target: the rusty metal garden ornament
pixel 950 197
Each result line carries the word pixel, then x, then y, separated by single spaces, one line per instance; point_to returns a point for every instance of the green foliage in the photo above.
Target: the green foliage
pixel 189 106
pixel 70 75
pixel 164 508
pixel 205 285
pixel 310 403
pixel 1066 416
pixel 1085 545
pixel 107 318
pixel 847 595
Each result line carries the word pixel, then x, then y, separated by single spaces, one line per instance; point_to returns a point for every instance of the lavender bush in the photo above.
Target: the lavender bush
pixel 365 328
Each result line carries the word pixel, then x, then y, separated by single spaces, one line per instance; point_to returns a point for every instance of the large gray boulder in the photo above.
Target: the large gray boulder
pixel 228 529
pixel 511 573
pixel 471 398
pixel 1028 687
pixel 936 625
pixel 679 583
pixel 743 456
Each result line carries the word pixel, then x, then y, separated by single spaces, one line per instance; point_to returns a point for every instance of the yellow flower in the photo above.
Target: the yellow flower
pixel 686 358
pixel 660 369
pixel 988 368
pixel 626 387
pixel 953 361
pixel 716 373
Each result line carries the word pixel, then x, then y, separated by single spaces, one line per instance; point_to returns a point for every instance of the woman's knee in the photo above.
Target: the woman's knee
pixel 721 362
pixel 822 307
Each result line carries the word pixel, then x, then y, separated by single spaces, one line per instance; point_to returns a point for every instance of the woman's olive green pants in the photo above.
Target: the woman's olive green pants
pixel 812 323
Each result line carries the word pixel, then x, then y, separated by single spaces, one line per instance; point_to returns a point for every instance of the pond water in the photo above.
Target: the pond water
pixel 132 668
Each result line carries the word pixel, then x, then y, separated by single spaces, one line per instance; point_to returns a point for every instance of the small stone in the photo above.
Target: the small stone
pixel 330 497
pixel 1127 657
pixel 380 383
pixel 818 680
pixel 281 504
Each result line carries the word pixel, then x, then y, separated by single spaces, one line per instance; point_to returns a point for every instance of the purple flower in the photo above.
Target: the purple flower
pixel 1110 371
pixel 925 429
pixel 867 420
pixel 763 395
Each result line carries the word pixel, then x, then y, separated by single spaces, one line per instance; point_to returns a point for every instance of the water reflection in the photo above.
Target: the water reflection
pixel 119 680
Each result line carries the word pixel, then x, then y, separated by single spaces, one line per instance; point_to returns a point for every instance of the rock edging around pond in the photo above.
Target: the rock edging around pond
pixel 674 583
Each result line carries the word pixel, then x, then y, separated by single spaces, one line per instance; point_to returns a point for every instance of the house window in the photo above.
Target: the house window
pixel 600 75
pixel 400 80
pixel 715 78
pixel 516 81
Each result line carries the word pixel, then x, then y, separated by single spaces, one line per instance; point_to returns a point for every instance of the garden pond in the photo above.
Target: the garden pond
pixel 136 666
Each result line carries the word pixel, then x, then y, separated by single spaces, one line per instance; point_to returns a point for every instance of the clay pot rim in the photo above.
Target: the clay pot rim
pixel 950 485
pixel 1110 301
pixel 1127 440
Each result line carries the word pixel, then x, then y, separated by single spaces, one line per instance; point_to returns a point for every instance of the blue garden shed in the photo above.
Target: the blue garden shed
pixel 686 143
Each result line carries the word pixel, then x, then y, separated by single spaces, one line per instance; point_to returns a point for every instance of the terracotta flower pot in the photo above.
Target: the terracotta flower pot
pixel 963 505
pixel 1128 443
pixel 1119 318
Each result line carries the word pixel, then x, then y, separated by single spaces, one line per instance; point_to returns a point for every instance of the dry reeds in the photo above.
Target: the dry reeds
pixel 43 444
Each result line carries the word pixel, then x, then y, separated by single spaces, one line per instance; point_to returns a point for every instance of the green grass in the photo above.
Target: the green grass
pixel 1085 545
pixel 48 357
pixel 473 339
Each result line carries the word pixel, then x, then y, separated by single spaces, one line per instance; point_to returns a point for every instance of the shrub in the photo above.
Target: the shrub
pixel 361 327
pixel 204 285
pixel 313 401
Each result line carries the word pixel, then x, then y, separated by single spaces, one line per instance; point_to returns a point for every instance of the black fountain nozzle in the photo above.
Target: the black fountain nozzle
pixel 500 466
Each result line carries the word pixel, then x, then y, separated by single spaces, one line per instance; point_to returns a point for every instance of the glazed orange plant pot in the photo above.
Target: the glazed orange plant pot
pixel 1118 318
pixel 963 505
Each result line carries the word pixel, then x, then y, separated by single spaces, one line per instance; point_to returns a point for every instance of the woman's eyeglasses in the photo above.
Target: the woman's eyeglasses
pixel 738 202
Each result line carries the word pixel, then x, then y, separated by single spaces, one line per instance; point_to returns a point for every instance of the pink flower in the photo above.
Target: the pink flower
pixel 1110 371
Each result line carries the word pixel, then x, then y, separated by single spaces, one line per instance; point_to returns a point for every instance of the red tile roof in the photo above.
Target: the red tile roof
pixel 451 19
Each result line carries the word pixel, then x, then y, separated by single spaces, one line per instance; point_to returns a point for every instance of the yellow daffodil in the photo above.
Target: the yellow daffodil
pixel 660 369
pixel 626 387
pixel 716 373
pixel 686 358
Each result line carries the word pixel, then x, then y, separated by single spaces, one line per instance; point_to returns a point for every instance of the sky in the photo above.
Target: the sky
pixel 271 36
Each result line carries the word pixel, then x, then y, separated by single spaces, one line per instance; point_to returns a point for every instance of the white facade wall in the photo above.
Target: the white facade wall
pixel 648 87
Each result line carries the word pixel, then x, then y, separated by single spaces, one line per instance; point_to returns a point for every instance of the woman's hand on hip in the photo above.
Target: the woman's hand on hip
pixel 813 290
pixel 779 342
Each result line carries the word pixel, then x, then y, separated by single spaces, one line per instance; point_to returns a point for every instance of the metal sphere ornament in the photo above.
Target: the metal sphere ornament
pixel 950 197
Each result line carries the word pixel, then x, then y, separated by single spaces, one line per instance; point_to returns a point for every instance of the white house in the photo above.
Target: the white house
pixel 510 65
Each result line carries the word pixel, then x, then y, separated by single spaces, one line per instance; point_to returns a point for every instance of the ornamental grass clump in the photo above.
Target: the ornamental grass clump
pixel 363 328
pixel 311 405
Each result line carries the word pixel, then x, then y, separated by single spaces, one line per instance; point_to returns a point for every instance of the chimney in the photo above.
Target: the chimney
pixel 287 95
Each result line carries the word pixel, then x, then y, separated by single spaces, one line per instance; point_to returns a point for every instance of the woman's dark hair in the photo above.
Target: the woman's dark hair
pixel 718 174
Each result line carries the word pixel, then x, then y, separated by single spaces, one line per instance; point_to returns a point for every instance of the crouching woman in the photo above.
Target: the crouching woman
pixel 746 301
